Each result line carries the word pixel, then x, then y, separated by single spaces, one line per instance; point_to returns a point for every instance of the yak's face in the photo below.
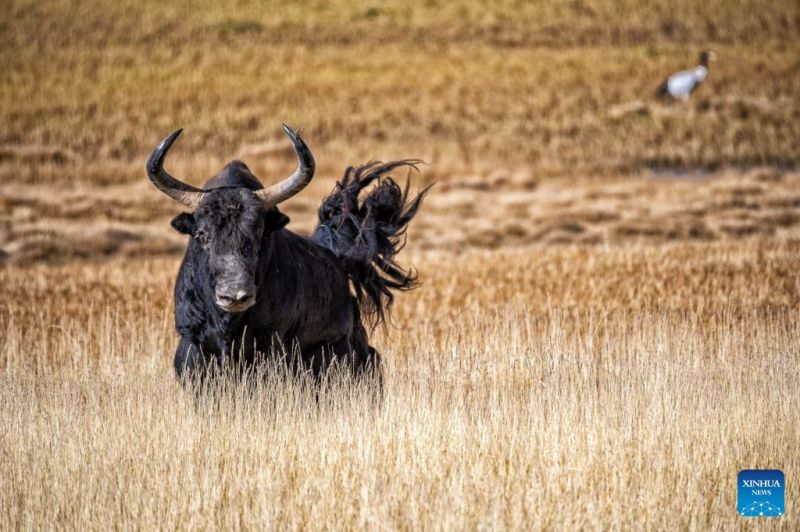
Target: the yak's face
pixel 229 227
pixel 232 215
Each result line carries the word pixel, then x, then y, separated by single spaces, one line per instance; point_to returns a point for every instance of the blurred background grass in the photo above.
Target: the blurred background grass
pixel 559 88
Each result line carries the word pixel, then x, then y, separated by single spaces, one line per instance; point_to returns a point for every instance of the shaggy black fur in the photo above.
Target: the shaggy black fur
pixel 303 303
pixel 366 234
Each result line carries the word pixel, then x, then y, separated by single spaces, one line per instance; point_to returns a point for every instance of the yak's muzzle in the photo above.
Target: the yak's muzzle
pixel 237 298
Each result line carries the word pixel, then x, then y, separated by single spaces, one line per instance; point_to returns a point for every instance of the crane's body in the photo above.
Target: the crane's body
pixel 681 84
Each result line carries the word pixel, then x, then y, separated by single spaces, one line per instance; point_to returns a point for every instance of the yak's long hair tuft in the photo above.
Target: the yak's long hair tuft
pixel 367 233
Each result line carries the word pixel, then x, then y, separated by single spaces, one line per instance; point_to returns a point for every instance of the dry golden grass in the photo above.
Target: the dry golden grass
pixel 573 387
pixel 551 87
pixel 502 209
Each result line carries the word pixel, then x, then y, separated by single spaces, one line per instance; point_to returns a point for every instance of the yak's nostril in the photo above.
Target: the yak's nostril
pixel 234 298
pixel 242 296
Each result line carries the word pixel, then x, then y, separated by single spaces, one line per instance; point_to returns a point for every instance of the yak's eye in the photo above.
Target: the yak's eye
pixel 201 237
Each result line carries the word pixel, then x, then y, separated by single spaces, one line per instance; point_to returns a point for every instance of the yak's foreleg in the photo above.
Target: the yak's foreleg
pixel 191 366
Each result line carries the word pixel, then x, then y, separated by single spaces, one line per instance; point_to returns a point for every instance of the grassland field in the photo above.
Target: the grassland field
pixel 608 327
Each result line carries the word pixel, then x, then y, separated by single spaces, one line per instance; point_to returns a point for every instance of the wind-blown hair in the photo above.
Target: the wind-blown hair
pixel 367 234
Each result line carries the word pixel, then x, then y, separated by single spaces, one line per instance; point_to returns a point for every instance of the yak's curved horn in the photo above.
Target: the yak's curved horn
pixel 175 189
pixel 296 182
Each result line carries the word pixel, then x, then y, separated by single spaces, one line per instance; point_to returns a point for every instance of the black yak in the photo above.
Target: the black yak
pixel 248 287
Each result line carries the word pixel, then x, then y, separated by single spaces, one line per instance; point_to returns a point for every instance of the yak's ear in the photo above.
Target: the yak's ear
pixel 275 220
pixel 184 223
